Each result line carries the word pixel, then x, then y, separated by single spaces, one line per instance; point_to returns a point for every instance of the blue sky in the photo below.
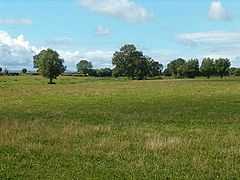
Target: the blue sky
pixel 94 29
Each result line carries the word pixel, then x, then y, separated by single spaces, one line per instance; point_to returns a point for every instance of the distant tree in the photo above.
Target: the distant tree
pixel 92 72
pixel 222 66
pixel 237 72
pixel 132 63
pixel 6 71
pixel 0 69
pixel 155 68
pixel 142 68
pixel 35 59
pixel 167 72
pixel 208 67
pixel 24 70
pixel 49 64
pixel 176 67
pixel 105 72
pixel 125 61
pixel 84 66
pixel 234 71
pixel 181 71
pixel 191 68
pixel 117 73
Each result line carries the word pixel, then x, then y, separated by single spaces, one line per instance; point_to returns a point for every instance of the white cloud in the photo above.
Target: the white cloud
pixel 103 31
pixel 210 38
pixel 124 9
pixel 17 53
pixel 214 44
pixel 218 12
pixel 15 21
pixel 98 58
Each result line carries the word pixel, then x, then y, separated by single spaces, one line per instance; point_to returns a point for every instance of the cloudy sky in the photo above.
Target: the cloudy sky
pixel 94 29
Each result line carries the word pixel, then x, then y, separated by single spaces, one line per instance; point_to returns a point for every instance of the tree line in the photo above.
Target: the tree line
pixel 181 68
pixel 134 64
pixel 86 68
pixel 128 62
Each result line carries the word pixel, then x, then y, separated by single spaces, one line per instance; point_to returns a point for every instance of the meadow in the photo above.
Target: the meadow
pixel 88 128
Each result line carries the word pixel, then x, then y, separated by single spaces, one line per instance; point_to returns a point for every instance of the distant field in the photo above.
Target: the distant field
pixel 86 128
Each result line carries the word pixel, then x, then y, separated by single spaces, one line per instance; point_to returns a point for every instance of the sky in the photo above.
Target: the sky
pixel 95 29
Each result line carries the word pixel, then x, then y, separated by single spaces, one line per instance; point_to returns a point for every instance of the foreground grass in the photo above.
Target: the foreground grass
pixel 84 128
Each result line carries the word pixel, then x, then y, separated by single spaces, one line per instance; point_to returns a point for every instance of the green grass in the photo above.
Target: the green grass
pixel 86 128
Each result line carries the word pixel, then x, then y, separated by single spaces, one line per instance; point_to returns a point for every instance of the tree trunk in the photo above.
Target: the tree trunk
pixel 50 81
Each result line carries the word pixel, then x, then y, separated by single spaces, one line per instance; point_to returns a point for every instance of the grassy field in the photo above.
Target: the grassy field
pixel 84 128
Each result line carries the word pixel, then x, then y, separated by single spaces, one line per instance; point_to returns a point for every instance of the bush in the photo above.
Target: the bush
pixel 24 70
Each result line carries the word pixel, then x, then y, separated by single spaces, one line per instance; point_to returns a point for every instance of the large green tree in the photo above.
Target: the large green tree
pixel 126 60
pixel 49 64
pixel 129 62
pixel 155 68
pixel 222 66
pixel 134 64
pixel 208 67
pixel 176 67
pixel 84 66
pixel 191 68
pixel 142 68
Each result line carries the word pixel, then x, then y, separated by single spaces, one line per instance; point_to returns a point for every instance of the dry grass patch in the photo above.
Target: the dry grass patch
pixel 158 143
pixel 36 136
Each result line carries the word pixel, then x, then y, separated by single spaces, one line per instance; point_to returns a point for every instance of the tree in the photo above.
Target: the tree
pixel 132 63
pixel 0 69
pixel 6 71
pixel 24 70
pixel 128 62
pixel 155 68
pixel 92 72
pixel 142 68
pixel 237 72
pixel 208 67
pixel 181 71
pixel 49 64
pixel 84 66
pixel 176 67
pixel 166 72
pixel 105 72
pixel 234 71
pixel 35 59
pixel 191 68
pixel 222 66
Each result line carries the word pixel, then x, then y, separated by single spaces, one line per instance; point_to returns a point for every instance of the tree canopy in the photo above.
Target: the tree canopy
pixel 208 67
pixel 134 64
pixel 222 66
pixel 176 67
pixel 24 70
pixel 234 71
pixel 84 66
pixel 191 68
pixel 49 64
